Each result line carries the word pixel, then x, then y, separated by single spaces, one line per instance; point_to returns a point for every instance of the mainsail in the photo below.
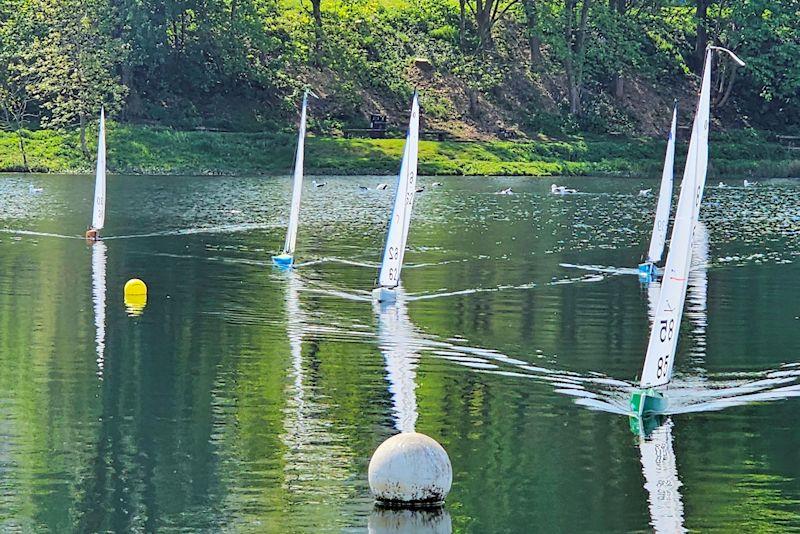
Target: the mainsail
pixel 99 211
pixel 297 187
pixel 663 342
pixel 659 236
pixel 397 235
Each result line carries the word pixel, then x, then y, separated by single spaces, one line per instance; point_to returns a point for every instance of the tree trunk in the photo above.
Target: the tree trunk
pixel 22 148
pixel 702 35
pixel 534 38
pixel 727 94
pixel 84 148
pixel 462 22
pixel 620 7
pixel 484 22
pixel 472 94
pixel 576 51
pixel 316 9
pixel 619 87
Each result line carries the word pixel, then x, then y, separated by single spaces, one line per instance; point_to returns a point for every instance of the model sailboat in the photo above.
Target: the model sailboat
pixel 99 210
pixel 663 342
pixel 647 270
pixel 397 235
pixel 286 258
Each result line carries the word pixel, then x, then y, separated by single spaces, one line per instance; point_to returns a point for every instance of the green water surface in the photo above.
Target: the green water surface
pixel 246 399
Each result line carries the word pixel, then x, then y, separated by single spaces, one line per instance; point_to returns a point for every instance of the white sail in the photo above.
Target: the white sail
pixel 660 357
pixel 297 185
pixel 396 336
pixel 99 300
pixel 661 480
pixel 403 204
pixel 99 211
pixel 659 236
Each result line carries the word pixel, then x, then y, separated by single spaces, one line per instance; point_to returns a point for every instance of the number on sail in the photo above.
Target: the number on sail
pixel 397 233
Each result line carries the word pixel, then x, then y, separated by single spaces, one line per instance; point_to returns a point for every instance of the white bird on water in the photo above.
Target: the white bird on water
pixel 381 187
pixel 645 192
pixel 750 184
pixel 506 191
pixel 721 185
pixel 561 190
pixel 318 184
pixel 33 190
pixel 436 184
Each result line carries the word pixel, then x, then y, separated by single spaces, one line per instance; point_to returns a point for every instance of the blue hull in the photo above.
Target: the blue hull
pixel 284 261
pixel 647 271
pixel 384 295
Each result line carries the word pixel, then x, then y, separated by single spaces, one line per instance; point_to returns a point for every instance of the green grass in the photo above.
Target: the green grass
pixel 145 150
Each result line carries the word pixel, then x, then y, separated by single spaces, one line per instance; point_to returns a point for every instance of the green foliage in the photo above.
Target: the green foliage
pixel 241 65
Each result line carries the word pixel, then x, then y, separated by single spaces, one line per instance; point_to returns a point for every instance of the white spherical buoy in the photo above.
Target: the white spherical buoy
pixel 410 469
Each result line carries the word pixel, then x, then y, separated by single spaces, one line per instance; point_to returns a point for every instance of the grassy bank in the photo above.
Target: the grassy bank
pixel 143 150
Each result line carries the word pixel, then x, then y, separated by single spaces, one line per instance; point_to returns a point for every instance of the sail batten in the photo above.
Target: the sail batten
pixel 99 210
pixel 659 235
pixel 663 342
pixel 399 224
pixel 297 183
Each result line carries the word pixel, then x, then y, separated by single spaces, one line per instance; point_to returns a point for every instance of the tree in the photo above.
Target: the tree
pixel 15 98
pixel 74 64
pixel 487 13
pixel 576 23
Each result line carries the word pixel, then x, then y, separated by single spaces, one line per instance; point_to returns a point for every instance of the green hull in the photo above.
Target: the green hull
pixel 648 402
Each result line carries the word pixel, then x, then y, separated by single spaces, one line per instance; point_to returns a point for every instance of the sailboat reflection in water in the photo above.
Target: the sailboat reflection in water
pixel 396 338
pixel 99 301
pixel 313 448
pixel 660 472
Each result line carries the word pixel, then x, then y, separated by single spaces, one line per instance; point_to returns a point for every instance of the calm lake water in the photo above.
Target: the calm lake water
pixel 247 399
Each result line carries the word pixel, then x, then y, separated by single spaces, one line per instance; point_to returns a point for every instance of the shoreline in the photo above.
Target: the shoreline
pixel 139 150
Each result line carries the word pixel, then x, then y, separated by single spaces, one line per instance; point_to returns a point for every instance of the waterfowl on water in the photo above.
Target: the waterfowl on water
pixel 381 187
pixel 506 191
pixel 561 190
pixel 645 192
pixel 318 184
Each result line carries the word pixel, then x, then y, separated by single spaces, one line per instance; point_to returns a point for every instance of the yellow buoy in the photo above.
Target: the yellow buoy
pixel 134 286
pixel 135 296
